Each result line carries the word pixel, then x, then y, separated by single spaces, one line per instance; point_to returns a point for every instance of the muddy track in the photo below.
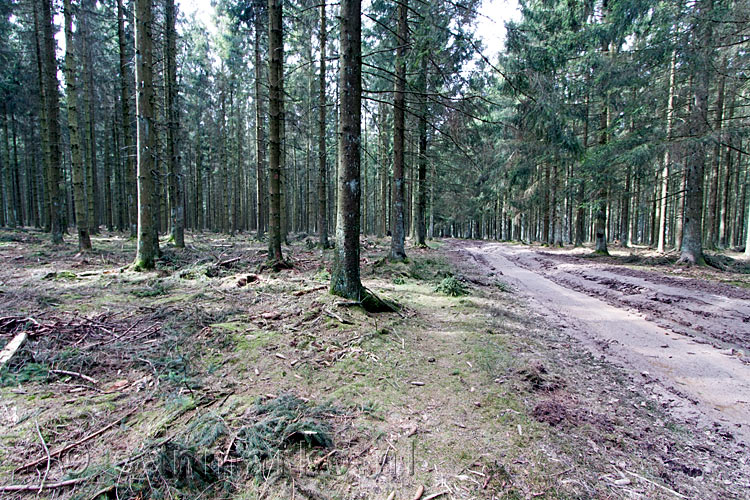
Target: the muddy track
pixel 680 335
pixel 709 312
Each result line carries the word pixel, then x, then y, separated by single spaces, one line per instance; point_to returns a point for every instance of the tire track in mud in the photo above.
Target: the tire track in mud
pixel 698 382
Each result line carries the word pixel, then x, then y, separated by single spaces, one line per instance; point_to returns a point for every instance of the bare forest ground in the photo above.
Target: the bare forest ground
pixel 210 379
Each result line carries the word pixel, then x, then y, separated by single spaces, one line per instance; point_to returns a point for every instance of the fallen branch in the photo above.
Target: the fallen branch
pixel 12 347
pixel 655 484
pixel 46 450
pixel 337 317
pixel 299 293
pixel 48 486
pixel 62 450
pixel 76 374
pixel 419 493
pixel 322 459
pixel 225 458
pixel 436 495
pixel 228 262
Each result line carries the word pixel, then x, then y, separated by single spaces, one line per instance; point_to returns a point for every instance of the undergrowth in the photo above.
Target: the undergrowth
pixel 452 287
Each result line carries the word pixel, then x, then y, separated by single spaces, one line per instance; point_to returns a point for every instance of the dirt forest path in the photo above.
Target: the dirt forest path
pixel 672 332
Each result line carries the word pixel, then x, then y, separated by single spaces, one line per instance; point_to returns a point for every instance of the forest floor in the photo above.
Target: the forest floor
pixel 209 378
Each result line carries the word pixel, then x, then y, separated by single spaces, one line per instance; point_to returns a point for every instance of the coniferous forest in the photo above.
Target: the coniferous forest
pixel 304 249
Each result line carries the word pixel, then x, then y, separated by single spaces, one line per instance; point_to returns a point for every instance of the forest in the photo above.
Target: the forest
pixel 300 249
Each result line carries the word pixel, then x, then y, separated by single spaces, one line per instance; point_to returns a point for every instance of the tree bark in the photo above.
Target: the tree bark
pixel 84 241
pixel 692 247
pixel 399 103
pixel 667 157
pixel 148 242
pixel 52 101
pixel 130 170
pixel 275 75
pixel 421 205
pixel 383 168
pixel 176 205
pixel 322 162
pixel 728 155
pixel 260 147
pixel 345 278
pixel 713 181
pixel 92 187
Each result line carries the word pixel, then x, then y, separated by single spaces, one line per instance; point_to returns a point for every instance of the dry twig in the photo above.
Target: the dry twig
pixel 62 450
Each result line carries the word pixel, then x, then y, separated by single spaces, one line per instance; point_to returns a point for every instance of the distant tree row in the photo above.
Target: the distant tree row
pixel 611 122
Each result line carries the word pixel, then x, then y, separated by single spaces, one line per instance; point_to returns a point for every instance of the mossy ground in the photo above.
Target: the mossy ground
pixel 444 393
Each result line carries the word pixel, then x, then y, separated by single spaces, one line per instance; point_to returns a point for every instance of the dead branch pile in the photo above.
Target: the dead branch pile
pixel 77 345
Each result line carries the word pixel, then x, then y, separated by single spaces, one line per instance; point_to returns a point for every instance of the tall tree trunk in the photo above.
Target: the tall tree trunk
pixel 52 100
pixel 581 212
pixel 399 103
pixel 84 241
pixel 624 230
pixel 176 205
pixel 7 174
pixel 200 221
pixel 89 123
pixel 421 204
pixel 43 120
pixel 600 207
pixel 19 205
pixel 667 157
pixel 148 241
pixel 130 170
pixel 723 228
pixel 692 247
pixel 322 162
pixel 546 207
pixel 275 76
pixel 119 184
pixel 383 167
pixel 713 178
pixel 283 167
pixel 260 146
pixel 345 278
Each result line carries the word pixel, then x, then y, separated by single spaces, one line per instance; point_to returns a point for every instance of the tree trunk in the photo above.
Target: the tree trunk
pixel 52 101
pixel 399 103
pixel 84 241
pixel 89 124
pixel 322 162
pixel 692 247
pixel 176 206
pixel 260 147
pixel 421 204
pixel 130 171
pixel 713 180
pixel 148 242
pixel 667 157
pixel 275 75
pixel 723 228
pixel 383 167
pixel 345 278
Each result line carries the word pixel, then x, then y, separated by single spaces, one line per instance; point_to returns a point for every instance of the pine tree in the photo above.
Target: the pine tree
pixel 148 238
pixel 84 241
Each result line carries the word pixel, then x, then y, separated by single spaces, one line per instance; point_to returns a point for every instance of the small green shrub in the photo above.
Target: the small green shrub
pixel 503 287
pixel 322 275
pixel 452 287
